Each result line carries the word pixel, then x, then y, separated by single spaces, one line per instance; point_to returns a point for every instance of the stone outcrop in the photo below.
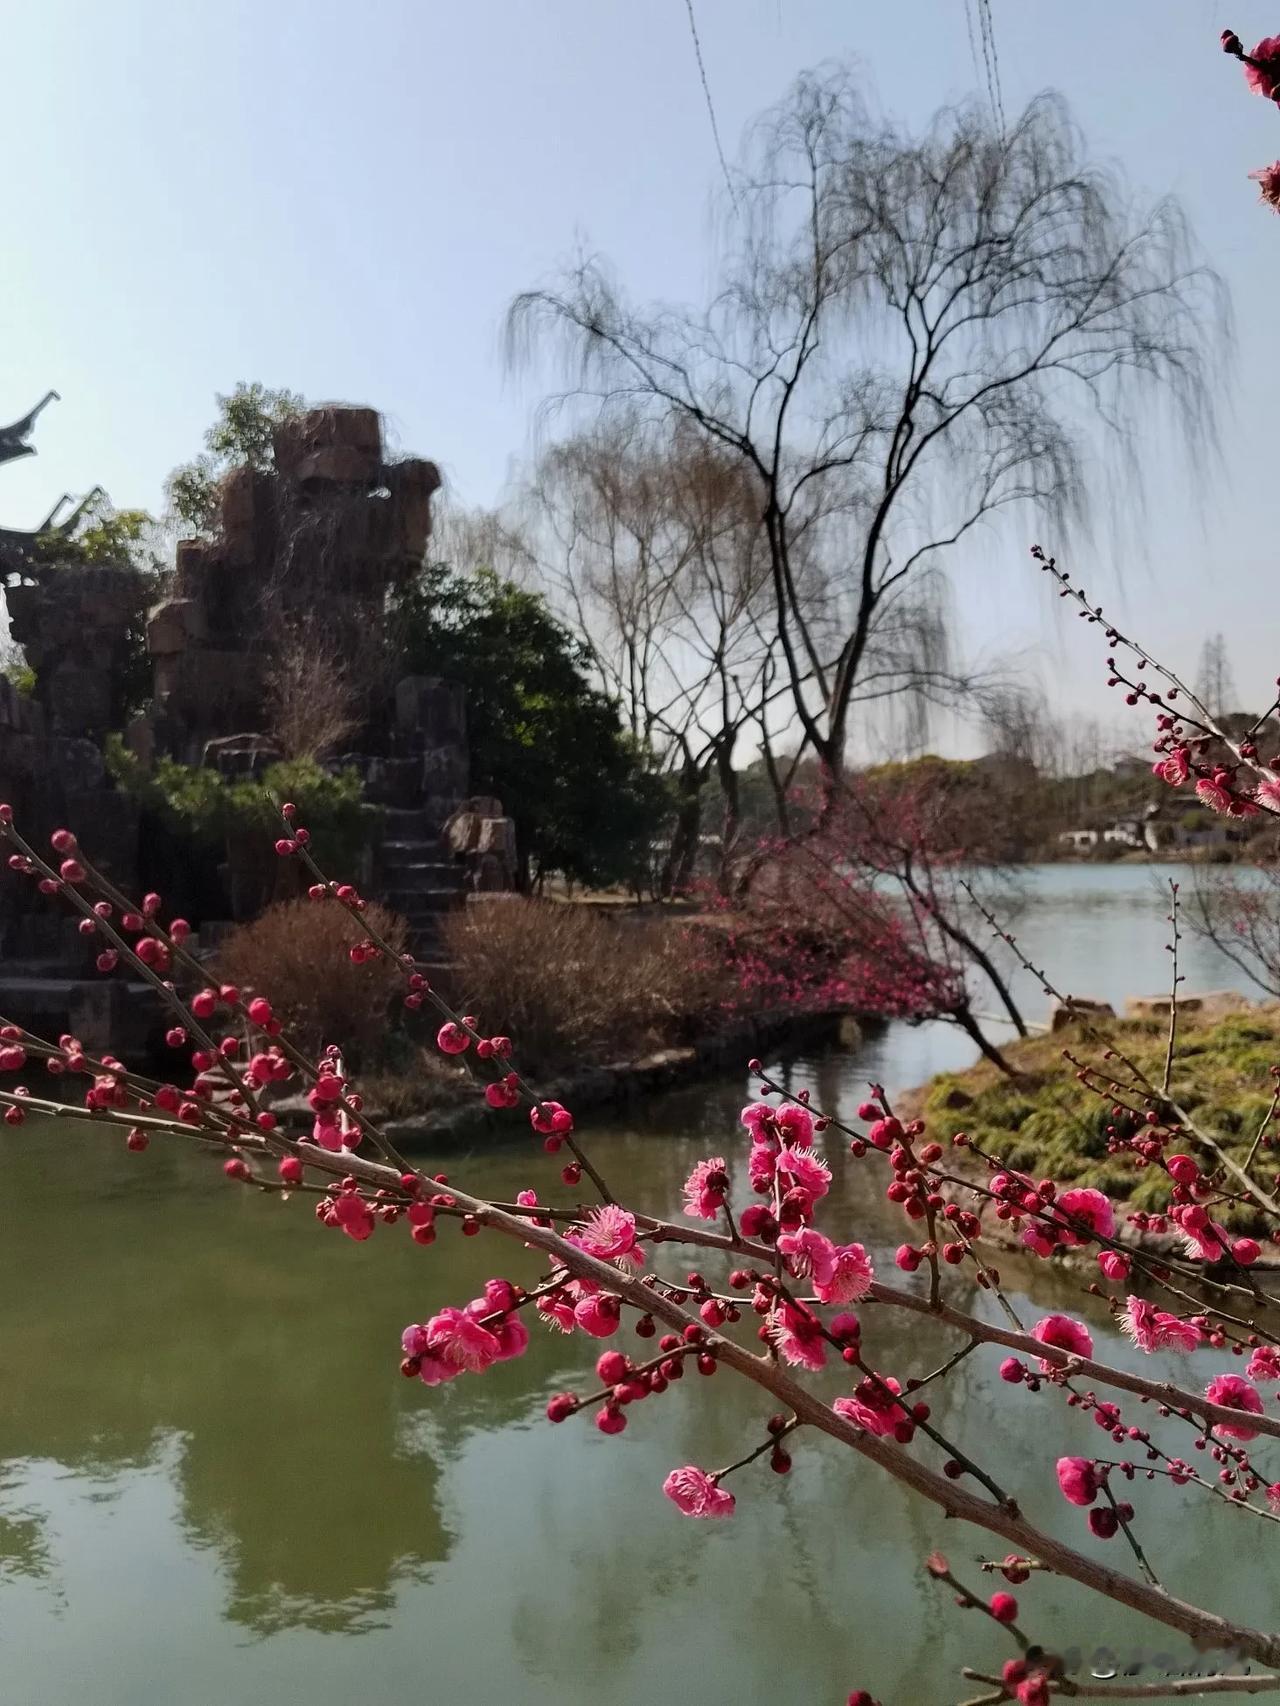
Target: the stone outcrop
pixel 1064 1013
pixel 50 779
pixel 303 560
pixel 308 556
pixel 304 556
pixel 1212 1004
pixel 73 623
pixel 484 838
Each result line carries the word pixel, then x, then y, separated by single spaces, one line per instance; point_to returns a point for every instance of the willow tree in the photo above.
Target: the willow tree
pixel 910 337
pixel 650 540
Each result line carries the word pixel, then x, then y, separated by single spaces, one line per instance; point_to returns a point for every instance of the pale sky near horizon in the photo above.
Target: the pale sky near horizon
pixel 342 200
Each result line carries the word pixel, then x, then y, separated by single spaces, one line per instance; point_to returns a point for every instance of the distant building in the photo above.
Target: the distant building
pixel 1180 823
pixel 1118 832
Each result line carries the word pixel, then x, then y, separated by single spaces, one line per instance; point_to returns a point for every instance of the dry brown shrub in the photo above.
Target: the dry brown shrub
pixel 310 704
pixel 569 982
pixel 296 954
pixel 420 1080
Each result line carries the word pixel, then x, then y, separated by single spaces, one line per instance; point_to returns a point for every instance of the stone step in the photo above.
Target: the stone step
pixel 417 858
pixel 415 847
pixel 408 901
pixel 423 879
pixel 410 822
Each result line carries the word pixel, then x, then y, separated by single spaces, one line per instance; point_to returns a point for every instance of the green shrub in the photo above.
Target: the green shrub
pixel 198 802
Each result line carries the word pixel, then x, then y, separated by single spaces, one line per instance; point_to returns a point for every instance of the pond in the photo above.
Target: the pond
pixel 216 1487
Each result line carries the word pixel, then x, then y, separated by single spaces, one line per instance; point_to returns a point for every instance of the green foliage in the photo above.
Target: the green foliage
pixel 543 739
pixel 240 437
pixel 20 676
pixel 199 803
pixel 113 536
pixel 928 769
pixel 1046 1123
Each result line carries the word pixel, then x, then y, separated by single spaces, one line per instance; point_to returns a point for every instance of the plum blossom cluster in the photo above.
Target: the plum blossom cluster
pixel 468 1340
pixel 783 1317
pixel 1262 74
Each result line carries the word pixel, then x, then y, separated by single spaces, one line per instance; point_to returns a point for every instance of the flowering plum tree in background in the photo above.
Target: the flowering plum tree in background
pixel 867 908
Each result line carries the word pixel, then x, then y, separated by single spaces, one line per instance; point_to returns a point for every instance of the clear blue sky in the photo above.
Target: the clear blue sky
pixel 342 199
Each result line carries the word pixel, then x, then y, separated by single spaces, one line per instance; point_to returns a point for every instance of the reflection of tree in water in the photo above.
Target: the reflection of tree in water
pixel 268 1349
pixel 24 1549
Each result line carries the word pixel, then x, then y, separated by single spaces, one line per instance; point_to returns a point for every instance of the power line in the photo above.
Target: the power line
pixel 711 111
pixel 988 68
pixel 987 28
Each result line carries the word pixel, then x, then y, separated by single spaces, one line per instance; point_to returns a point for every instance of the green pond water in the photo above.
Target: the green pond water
pixel 216 1487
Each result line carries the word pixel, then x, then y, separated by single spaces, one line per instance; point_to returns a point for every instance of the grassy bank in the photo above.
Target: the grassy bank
pixel 1046 1123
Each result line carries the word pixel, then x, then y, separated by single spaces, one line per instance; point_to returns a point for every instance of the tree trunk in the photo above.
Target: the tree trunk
pixel 731 825
pixel 963 1017
pixel 678 865
pixel 962 939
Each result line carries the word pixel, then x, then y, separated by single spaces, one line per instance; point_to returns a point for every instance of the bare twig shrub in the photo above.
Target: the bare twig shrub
pixel 573 981
pixel 311 706
pixel 1238 910
pixel 298 951
pixel 419 1078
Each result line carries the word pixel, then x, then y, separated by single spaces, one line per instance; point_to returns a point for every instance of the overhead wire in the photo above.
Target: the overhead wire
pixel 987 67
pixel 711 111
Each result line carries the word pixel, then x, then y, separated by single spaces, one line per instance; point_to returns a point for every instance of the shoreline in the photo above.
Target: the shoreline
pixel 615 1083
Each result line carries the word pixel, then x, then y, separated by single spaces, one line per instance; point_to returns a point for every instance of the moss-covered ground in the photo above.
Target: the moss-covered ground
pixel 1046 1123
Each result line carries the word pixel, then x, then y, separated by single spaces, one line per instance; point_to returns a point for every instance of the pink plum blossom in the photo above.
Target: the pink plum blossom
pixel 1114 1264
pixel 797 1336
pixel 808 1252
pixel 598 1315
pixel 1264 1364
pixel 1078 1480
pixel 882 1134
pixel 609 1233
pixel 1065 1334
pixel 873 1406
pixel 557 1310
pixel 1214 795
pixel 706 1188
pixel 326 1130
pixel 1175 768
pixel 842 1273
pixel 551 1119
pixel 1085 1211
pixel 762 1164
pixel 1263 77
pixel 1208 1243
pixel 1236 1393
pixel 795 1125
pixel 696 1493
pixel 458 1340
pixel 353 1214
pixel 1153 1329
pixel 1267 179
pixel 851 1276
pixel 799 1170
